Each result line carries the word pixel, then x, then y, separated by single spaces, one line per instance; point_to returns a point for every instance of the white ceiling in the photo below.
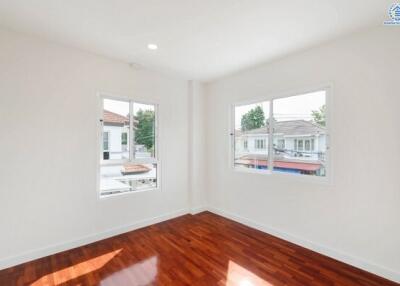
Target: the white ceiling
pixel 197 39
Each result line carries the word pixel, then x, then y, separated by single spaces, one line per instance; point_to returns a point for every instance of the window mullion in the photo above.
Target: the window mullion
pixel 131 133
pixel 155 130
pixel 270 136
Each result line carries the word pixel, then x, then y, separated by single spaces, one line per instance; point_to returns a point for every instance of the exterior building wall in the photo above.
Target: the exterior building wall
pixel 115 147
pixel 114 137
pixel 319 145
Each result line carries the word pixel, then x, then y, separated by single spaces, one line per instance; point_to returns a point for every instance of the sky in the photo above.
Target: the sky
pixel 288 108
pixel 122 107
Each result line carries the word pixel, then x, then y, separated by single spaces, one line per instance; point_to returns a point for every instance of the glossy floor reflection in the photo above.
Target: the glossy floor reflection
pixel 74 271
pixel 203 249
pixel 141 273
pixel 240 276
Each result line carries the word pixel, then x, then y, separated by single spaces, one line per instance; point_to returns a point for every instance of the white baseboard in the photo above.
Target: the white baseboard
pixel 198 209
pixel 335 254
pixel 59 247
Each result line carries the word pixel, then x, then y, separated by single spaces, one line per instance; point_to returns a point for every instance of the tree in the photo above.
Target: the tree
pixel 144 132
pixel 253 119
pixel 319 116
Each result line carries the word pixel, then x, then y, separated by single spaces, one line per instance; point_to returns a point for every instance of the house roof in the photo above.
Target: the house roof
pixel 114 118
pixel 290 127
pixel 134 169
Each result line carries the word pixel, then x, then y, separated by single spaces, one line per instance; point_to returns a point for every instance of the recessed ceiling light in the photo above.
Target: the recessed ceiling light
pixel 152 47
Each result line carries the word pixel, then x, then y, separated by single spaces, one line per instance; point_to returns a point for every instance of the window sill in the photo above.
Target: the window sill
pixel 105 197
pixel 292 177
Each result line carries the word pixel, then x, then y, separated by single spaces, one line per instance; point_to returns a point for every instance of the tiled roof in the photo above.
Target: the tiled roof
pixel 134 169
pixel 282 164
pixel 292 127
pixel 262 160
pixel 114 118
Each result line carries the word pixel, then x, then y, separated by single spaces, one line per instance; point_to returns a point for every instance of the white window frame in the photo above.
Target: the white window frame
pixel 328 178
pixel 131 145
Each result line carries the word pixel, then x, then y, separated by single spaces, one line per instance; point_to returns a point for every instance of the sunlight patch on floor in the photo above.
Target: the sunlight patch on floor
pixel 239 276
pixel 140 274
pixel 66 274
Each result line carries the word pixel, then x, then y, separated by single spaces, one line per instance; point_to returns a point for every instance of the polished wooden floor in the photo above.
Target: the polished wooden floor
pixel 203 249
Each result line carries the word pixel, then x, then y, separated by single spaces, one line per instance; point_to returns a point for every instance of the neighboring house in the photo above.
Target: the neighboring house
pixel 115 135
pixel 299 147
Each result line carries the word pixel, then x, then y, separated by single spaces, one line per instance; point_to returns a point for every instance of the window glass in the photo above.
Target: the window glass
pixel 301 122
pixel 106 143
pixel 300 145
pixel 144 128
pixel 124 139
pixel 251 136
pixel 281 143
pixel 128 147
pixel 307 145
pixel 115 123
pixel 127 177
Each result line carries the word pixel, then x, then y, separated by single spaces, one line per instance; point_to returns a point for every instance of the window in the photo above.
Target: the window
pixel 106 142
pixel 289 135
pixel 300 145
pixel 251 125
pixel 307 145
pixel 281 143
pixel 259 143
pixel 124 138
pixel 128 156
pixel 245 144
pixel 144 130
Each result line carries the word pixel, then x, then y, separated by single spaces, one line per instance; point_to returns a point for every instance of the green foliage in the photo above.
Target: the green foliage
pixel 144 133
pixel 319 116
pixel 253 119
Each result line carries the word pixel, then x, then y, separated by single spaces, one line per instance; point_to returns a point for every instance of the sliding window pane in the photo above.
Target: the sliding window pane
pixel 299 140
pixel 251 136
pixel 115 129
pixel 127 177
pixel 144 129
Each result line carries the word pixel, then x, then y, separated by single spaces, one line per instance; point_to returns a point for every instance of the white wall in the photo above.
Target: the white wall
pixel 197 149
pixel 49 152
pixel 356 218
